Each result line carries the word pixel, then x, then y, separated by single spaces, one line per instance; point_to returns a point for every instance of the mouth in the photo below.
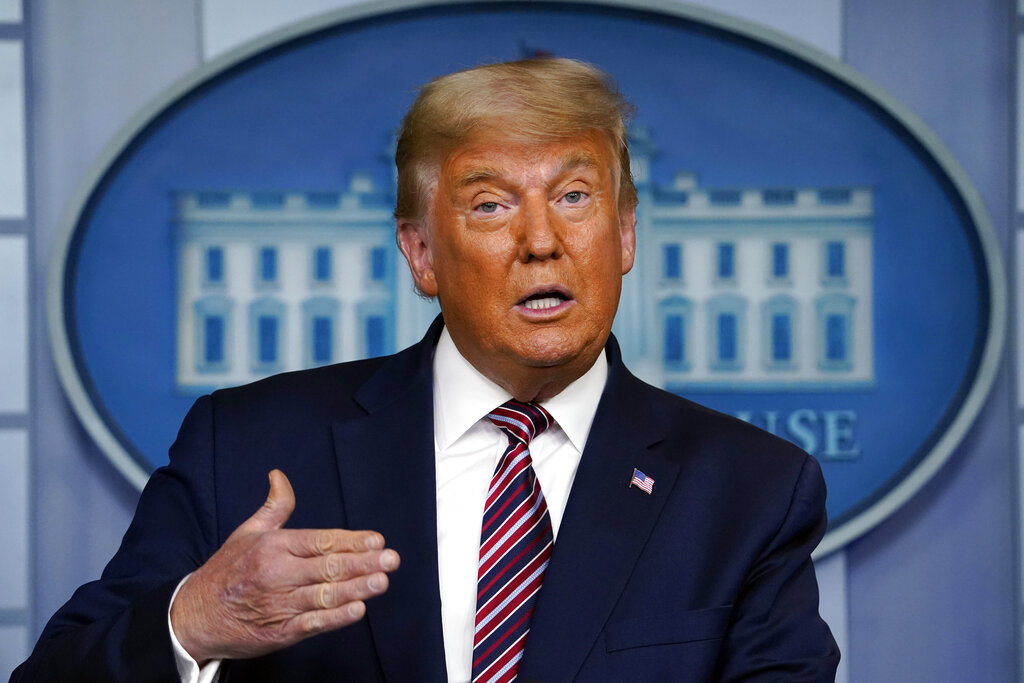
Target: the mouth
pixel 546 300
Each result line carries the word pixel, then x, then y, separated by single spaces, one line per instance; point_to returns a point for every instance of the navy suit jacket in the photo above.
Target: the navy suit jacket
pixel 708 578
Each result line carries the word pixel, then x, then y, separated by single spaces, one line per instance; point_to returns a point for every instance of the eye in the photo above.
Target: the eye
pixel 574 197
pixel 488 207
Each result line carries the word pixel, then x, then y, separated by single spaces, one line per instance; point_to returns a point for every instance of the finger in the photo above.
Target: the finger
pixel 340 566
pixel 326 596
pixel 324 620
pixel 316 542
pixel 277 508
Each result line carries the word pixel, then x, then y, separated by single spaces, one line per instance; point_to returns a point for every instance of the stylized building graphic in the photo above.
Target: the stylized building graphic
pixel 752 289
pixel 273 281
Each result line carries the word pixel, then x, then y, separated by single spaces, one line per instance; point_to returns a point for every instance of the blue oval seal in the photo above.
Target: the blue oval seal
pixel 811 259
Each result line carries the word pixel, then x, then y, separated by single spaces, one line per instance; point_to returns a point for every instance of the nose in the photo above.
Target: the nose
pixel 537 233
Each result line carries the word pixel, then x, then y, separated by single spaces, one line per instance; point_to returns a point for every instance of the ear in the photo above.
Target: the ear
pixel 627 231
pixel 414 241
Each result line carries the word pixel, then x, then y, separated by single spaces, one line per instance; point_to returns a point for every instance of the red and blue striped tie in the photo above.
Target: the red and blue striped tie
pixel 515 544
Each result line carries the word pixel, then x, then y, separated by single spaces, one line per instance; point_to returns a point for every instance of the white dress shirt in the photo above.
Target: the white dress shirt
pixel 467 447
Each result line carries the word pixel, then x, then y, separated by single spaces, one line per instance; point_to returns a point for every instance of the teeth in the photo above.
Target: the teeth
pixel 541 304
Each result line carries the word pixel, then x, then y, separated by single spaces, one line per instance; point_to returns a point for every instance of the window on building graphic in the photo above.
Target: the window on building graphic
pixel 267 325
pixel 780 260
pixel 213 339
pixel 375 336
pixel 267 200
pixel 322 200
pixel 322 264
pixel 214 265
pixel 675 341
pixel 835 332
pixel 726 261
pixel 778 333
pixel 672 261
pixel 835 337
pixel 213 199
pixel 212 334
pixel 725 197
pixel 378 264
pixel 266 335
pixel 320 316
pixel 835 260
pixel 268 264
pixel 727 342
pixel 323 342
pixel 675 317
pixel 779 197
pixel 726 329
pixel 834 195
pixel 376 320
pixel 782 337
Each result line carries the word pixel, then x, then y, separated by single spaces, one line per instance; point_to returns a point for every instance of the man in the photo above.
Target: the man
pixel 681 537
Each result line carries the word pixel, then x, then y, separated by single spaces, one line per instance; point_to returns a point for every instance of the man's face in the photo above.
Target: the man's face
pixel 525 245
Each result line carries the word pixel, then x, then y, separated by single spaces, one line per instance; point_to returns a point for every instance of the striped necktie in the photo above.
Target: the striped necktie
pixel 515 543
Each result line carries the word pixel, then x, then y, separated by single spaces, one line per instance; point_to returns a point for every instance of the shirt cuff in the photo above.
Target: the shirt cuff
pixel 188 668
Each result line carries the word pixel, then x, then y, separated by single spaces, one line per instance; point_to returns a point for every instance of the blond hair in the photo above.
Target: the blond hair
pixel 533 100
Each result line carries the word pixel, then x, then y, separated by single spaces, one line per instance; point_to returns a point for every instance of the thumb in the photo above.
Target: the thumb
pixel 278 507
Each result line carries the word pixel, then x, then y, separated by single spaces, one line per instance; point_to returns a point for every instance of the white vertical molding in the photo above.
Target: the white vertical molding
pixel 15 342
pixel 1020 112
pixel 14 646
pixel 14 539
pixel 832 585
pixel 13 324
pixel 1018 295
pixel 12 130
pixel 14 513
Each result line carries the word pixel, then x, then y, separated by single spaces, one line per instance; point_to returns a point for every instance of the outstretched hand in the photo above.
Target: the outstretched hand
pixel 267 588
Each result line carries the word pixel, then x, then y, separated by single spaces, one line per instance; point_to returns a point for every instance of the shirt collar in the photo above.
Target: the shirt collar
pixel 462 396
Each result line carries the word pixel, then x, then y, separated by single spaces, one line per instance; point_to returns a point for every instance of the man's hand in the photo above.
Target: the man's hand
pixel 267 588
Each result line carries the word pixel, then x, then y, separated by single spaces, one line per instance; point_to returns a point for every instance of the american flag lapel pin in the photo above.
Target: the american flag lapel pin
pixel 642 481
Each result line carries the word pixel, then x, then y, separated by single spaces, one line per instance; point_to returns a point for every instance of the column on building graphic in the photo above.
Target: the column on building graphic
pixel 749 288
pixel 274 281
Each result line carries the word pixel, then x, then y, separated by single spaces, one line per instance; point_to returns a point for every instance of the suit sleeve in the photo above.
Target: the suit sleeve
pixel 776 633
pixel 115 629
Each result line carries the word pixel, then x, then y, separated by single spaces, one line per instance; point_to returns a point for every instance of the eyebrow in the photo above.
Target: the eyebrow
pixel 575 160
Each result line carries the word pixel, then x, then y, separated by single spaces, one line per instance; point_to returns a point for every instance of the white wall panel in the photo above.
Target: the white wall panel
pixel 14 518
pixel 832 584
pixel 229 23
pixel 13 648
pixel 12 130
pixel 13 324
pixel 10 11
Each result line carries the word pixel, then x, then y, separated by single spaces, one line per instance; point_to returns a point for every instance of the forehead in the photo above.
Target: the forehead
pixel 496 157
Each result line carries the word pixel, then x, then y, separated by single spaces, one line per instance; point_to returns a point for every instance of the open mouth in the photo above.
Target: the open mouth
pixel 545 300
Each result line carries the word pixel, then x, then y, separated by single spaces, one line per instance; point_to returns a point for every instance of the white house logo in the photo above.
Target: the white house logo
pixel 755 289
pixel 802 240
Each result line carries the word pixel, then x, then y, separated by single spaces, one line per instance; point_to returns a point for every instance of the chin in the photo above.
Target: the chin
pixel 558 352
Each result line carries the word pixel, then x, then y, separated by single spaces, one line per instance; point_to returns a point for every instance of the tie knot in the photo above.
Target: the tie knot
pixel 521 421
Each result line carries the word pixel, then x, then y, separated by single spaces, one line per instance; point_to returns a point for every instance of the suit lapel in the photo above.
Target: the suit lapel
pixel 605 526
pixel 386 463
